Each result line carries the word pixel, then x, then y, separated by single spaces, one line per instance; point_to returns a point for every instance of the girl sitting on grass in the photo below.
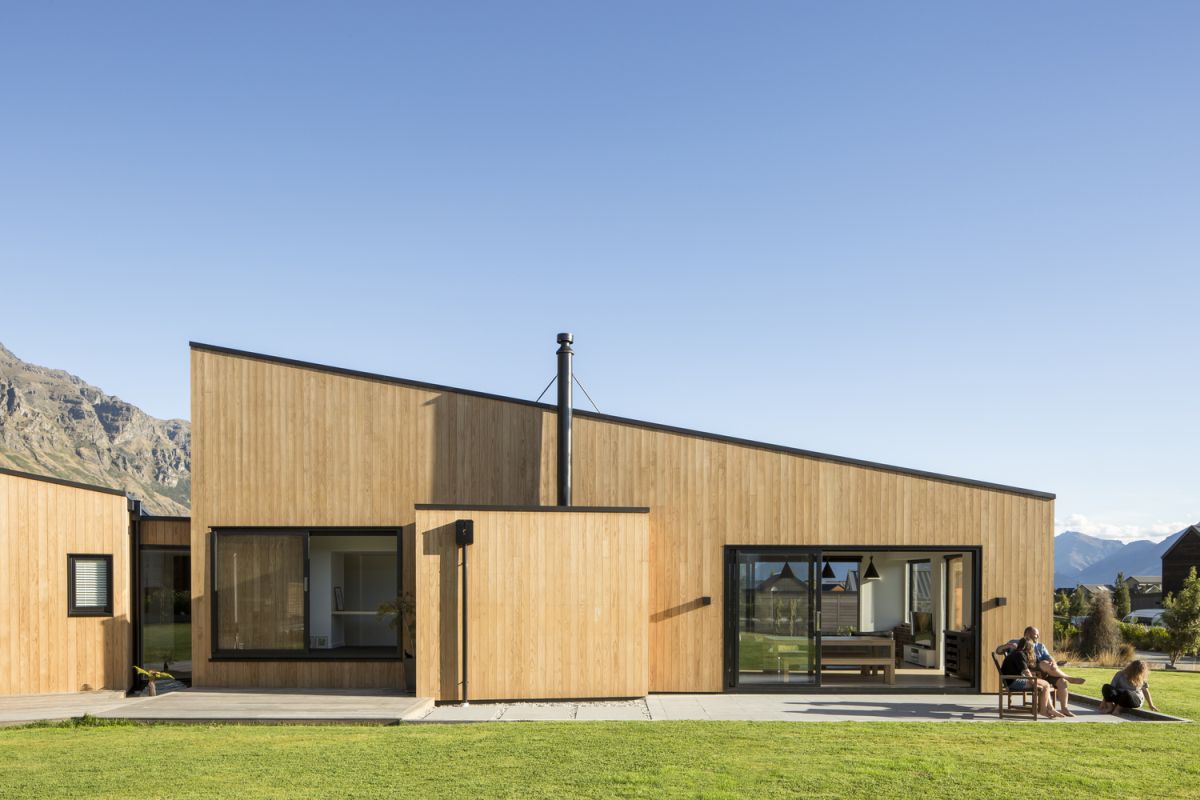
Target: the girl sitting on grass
pixel 1127 688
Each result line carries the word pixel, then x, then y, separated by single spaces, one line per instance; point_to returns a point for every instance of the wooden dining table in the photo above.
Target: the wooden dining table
pixel 868 652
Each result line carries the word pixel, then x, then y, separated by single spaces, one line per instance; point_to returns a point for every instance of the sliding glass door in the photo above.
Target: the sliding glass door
pixel 772 630
pixel 165 595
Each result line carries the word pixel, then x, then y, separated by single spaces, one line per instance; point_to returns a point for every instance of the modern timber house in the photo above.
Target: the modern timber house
pixel 545 552
pixel 609 557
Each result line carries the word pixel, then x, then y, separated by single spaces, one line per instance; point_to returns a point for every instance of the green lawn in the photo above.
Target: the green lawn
pixel 661 759
pixel 1175 693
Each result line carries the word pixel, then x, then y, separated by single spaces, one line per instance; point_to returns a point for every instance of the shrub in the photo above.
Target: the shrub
pixel 1099 633
pixel 1181 617
pixel 1157 638
pixel 1133 634
pixel 1079 602
pixel 1126 653
pixel 1065 635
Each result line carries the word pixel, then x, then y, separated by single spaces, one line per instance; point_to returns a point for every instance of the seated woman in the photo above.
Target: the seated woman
pixel 1017 663
pixel 1127 688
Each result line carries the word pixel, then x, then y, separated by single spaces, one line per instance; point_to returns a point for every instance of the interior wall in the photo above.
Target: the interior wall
pixel 42 649
pixel 326 570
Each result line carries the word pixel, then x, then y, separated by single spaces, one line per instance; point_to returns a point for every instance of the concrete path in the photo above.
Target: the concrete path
pixel 34 708
pixel 843 708
pixel 540 712
pixel 757 707
pixel 273 705
pixel 385 707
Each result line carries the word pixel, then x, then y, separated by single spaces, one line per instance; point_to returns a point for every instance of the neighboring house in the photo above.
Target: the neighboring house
pixel 1179 560
pixel 1090 590
pixel 1145 591
pixel 548 552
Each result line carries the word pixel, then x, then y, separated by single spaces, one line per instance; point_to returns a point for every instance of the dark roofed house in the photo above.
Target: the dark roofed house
pixel 1145 591
pixel 1179 559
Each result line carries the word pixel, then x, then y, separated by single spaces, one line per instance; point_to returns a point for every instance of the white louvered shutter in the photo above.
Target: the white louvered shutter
pixel 91 583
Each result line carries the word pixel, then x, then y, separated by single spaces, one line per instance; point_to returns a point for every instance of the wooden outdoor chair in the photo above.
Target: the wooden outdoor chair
pixel 1028 704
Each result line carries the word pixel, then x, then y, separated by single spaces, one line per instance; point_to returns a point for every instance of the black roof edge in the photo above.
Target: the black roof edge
pixel 538 509
pixel 717 437
pixel 62 482
pixel 164 518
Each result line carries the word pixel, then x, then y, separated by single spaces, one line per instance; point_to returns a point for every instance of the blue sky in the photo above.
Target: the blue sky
pixel 956 237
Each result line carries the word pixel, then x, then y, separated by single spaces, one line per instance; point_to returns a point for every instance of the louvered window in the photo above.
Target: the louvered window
pixel 89 585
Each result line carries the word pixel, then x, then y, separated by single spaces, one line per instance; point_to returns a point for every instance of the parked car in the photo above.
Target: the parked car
pixel 1145 616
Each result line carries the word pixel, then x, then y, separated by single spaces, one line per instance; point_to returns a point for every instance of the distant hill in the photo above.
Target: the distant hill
pixel 1074 552
pixel 53 423
pixel 1079 558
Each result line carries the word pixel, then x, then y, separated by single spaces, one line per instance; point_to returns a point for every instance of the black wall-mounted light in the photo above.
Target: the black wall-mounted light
pixel 828 571
pixel 871 574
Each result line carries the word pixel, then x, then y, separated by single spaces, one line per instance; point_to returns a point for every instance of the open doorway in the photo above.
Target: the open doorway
pixel 863 619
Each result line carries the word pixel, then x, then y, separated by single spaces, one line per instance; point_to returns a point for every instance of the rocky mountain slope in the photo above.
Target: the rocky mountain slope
pixel 53 423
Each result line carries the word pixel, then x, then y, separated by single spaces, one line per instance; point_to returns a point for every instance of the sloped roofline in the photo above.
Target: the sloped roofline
pixel 1190 531
pixel 716 437
pixel 33 476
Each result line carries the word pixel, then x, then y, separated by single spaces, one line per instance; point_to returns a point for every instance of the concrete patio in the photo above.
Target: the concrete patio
pixel 760 708
pixel 367 707
pixel 382 707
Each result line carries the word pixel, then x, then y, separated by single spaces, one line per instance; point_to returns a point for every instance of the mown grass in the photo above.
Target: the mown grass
pixel 660 759
pixel 1176 693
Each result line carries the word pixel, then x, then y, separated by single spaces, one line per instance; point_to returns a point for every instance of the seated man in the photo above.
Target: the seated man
pixel 1046 665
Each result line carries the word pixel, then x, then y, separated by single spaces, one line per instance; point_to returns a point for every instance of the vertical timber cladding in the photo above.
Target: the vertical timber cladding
pixel 42 650
pixel 557 604
pixel 285 444
pixel 165 531
pixel 706 493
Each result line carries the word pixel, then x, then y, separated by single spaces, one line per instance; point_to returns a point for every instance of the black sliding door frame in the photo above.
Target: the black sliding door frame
pixel 305 653
pixel 140 594
pixel 835 553
pixel 731 646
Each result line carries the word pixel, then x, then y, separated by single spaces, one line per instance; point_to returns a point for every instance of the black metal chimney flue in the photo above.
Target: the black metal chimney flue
pixel 565 378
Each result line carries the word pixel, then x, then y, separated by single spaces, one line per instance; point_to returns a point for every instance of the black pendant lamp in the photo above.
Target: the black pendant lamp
pixel 828 571
pixel 871 574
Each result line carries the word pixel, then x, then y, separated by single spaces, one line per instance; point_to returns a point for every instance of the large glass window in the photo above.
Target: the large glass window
pixel 260 591
pixel 311 594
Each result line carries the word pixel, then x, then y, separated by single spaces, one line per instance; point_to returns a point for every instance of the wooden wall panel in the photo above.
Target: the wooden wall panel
pixel 557 605
pixel 282 444
pixel 166 531
pixel 42 650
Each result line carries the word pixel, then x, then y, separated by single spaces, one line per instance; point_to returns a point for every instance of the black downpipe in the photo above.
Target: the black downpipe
pixel 565 379
pixel 465 699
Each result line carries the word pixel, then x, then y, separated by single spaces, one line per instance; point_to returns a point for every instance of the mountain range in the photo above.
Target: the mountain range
pixel 54 423
pixel 1079 558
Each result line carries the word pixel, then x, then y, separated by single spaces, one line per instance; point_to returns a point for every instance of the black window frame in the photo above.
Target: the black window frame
pixel 307 653
pixel 89 611
pixel 908 577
